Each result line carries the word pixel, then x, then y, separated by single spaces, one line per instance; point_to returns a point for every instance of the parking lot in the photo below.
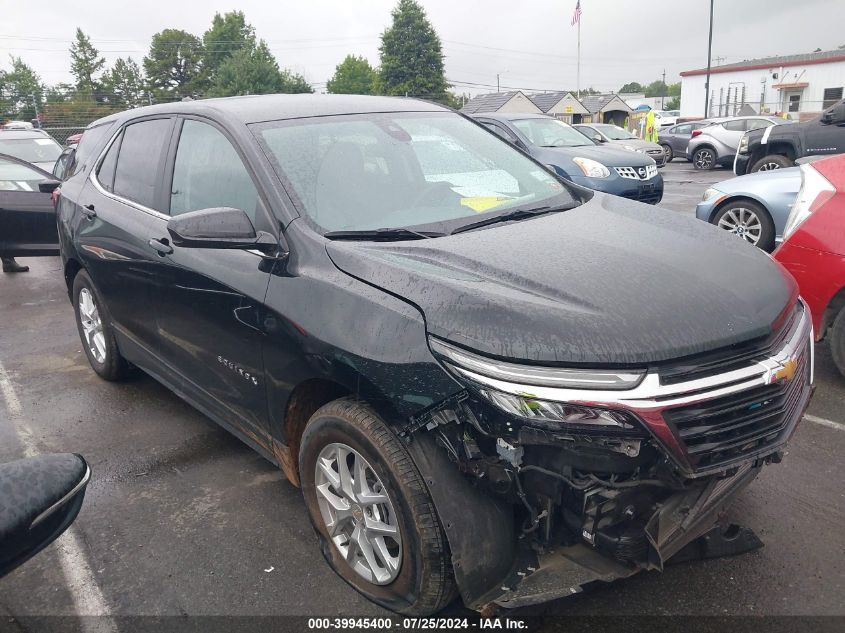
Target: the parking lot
pixel 183 519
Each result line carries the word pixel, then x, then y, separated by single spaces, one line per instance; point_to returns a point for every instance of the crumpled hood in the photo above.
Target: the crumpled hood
pixel 612 281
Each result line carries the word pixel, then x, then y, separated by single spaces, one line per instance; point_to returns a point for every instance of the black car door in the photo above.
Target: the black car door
pixel 118 214
pixel 27 216
pixel 210 307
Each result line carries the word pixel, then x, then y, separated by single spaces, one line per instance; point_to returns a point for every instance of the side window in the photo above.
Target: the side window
pixel 756 124
pixel 502 132
pixel 209 173
pixel 105 172
pixel 17 177
pixel 682 129
pixel 90 142
pixel 735 126
pixel 139 160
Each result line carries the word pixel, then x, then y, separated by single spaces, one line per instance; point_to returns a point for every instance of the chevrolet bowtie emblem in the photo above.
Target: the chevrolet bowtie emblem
pixel 786 371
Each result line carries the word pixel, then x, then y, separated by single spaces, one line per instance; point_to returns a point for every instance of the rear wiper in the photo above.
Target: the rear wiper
pixel 382 234
pixel 518 214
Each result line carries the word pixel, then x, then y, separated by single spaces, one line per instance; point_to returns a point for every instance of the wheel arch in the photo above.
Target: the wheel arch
pixel 72 267
pixel 834 306
pixel 745 197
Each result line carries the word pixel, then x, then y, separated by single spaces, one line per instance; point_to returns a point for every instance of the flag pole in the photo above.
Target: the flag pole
pixel 578 72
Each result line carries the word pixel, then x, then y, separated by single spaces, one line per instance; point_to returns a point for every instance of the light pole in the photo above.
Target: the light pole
pixel 709 50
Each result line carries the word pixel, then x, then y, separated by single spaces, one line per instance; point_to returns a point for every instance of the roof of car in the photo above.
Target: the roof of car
pixel 23 134
pixel 511 116
pixel 257 108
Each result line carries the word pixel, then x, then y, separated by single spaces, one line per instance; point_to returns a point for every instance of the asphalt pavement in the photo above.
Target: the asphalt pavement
pixel 182 519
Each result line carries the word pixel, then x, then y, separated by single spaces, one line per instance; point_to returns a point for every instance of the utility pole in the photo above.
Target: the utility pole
pixel 664 91
pixel 709 52
pixel 497 83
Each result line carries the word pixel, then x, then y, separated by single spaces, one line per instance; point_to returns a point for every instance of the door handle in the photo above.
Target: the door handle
pixel 89 212
pixel 162 246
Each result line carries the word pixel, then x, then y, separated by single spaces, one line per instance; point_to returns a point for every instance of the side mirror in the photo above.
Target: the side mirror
pixel 41 498
pixel 598 138
pixel 218 227
pixel 48 186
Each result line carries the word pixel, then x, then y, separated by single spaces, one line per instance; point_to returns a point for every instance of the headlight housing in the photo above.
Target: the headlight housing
pixel 815 191
pixel 591 168
pixel 508 387
pixel 711 193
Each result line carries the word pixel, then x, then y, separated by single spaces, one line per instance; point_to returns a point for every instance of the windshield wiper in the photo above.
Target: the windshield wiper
pixel 382 234
pixel 517 214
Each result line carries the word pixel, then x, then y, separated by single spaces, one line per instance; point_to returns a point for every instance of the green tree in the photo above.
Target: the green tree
pixel 412 55
pixel 21 90
pixel 174 64
pixel 674 103
pixel 228 34
pixel 656 89
pixel 632 87
pixel 353 76
pixel 124 83
pixel 255 71
pixel 85 63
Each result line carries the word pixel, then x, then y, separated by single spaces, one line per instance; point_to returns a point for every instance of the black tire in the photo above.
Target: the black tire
pixel 772 161
pixel 112 366
pixel 766 240
pixel 667 149
pixel 837 341
pixel 425 582
pixel 704 158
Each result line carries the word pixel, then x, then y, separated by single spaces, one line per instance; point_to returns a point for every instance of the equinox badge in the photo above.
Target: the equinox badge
pixel 238 370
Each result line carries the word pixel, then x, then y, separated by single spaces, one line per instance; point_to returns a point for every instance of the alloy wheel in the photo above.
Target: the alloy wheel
pixel 769 166
pixel 92 325
pixel 742 222
pixel 703 159
pixel 358 513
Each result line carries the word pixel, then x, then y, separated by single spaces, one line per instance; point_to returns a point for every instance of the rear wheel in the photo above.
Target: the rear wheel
pixel 747 220
pixel 95 330
pixel 772 161
pixel 704 158
pixel 667 149
pixel 372 511
pixel 837 341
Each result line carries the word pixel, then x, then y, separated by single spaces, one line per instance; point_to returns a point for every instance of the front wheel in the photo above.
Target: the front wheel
pixel 667 149
pixel 747 220
pixel 704 158
pixel 837 341
pixel 95 330
pixel 372 511
pixel 770 162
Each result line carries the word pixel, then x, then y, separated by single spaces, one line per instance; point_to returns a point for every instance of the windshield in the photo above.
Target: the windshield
pixel 393 170
pixel 17 177
pixel 551 133
pixel 32 150
pixel 614 132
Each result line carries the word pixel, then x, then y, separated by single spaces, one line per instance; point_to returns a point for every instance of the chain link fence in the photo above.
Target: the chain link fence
pixel 789 105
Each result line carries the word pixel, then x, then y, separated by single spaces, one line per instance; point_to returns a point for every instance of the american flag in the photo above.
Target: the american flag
pixel 576 17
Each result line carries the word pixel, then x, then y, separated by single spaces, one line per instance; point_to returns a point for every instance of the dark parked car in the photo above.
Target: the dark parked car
pixel 781 146
pixel 620 137
pixel 577 158
pixel 33 146
pixel 675 139
pixel 27 214
pixel 485 379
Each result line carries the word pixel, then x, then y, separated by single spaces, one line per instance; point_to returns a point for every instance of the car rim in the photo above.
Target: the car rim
pixel 667 152
pixel 92 325
pixel 742 222
pixel 769 166
pixel 358 514
pixel 703 159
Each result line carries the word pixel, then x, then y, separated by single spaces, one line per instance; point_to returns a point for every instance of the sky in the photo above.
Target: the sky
pixel 529 44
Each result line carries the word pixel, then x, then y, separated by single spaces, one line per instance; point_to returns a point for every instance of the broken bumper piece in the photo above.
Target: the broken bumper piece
pixel 681 519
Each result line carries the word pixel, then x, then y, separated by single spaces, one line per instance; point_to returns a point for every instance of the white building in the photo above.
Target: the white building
pixel 799 85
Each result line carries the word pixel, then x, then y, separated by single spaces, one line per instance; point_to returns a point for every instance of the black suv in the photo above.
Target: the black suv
pixel 781 145
pixel 485 380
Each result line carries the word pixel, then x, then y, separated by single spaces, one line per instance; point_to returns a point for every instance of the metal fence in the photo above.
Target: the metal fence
pixel 788 105
pixel 61 134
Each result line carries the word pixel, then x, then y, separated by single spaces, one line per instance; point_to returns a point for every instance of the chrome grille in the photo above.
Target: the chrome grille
pixel 637 173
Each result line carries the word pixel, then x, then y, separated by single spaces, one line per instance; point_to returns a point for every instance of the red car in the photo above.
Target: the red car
pixel 813 249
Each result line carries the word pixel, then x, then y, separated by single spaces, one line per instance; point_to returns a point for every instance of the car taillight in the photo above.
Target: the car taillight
pixel 815 191
pixel 695 133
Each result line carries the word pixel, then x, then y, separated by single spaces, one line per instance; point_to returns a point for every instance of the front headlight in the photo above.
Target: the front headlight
pixel 591 168
pixel 743 144
pixel 711 193
pixel 510 387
